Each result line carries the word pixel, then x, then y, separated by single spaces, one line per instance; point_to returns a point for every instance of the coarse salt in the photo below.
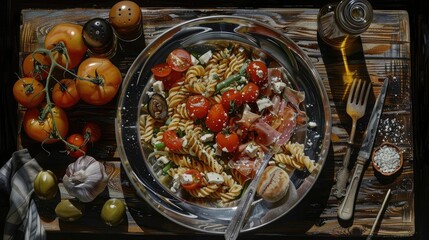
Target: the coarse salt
pixel 387 159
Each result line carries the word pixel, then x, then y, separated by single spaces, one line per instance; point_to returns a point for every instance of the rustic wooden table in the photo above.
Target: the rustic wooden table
pixel 382 51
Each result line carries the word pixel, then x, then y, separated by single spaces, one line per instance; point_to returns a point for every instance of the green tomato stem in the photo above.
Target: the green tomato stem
pixel 48 109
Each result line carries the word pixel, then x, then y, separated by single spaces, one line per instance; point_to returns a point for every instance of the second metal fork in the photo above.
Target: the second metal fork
pixel 356 105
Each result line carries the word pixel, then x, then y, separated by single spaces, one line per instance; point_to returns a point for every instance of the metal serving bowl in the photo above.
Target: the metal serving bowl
pixel 260 37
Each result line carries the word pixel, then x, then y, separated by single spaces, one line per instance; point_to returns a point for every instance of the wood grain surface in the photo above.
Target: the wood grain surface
pixel 383 51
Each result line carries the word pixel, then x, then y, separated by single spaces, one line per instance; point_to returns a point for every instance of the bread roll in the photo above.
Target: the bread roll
pixel 274 184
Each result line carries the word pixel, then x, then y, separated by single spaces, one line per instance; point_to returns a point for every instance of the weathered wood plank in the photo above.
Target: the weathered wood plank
pixel 385 52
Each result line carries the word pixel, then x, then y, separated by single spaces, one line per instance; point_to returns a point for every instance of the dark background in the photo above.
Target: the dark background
pixel 419 24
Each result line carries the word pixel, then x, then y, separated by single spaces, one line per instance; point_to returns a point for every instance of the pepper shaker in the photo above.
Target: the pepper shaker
pixel 98 36
pixel 126 19
pixel 338 24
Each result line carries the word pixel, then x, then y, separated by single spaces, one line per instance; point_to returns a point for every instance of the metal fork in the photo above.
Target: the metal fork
pixel 356 105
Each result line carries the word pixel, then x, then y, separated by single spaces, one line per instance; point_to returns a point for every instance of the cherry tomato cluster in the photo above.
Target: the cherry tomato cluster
pixel 217 116
pixel 46 92
pixel 172 71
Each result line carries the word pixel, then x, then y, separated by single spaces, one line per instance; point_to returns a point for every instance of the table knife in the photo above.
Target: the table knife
pixel 346 209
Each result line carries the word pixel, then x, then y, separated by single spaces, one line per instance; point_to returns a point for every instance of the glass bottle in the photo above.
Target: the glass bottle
pixel 340 23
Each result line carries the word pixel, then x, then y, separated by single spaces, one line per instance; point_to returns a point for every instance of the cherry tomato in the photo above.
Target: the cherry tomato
pixel 250 93
pixel 98 80
pixel 36 65
pixel 196 180
pixel 28 92
pixel 227 141
pixel 217 118
pixel 40 128
pixel 171 140
pixel 197 106
pixel 230 98
pixel 172 79
pixel 78 140
pixel 64 93
pixel 70 35
pixel 161 71
pixel 179 60
pixel 257 72
pixel 91 131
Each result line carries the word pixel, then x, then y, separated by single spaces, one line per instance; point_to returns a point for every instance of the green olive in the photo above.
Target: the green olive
pixel 113 212
pixel 69 210
pixel 46 185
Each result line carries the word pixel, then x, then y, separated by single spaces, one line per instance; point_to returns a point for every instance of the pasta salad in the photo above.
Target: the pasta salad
pixel 211 117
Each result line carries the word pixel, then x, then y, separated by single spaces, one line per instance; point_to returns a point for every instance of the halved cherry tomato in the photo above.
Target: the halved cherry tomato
pixel 78 141
pixel 179 60
pixel 64 93
pixel 257 72
pixel 161 71
pixel 227 141
pixel 99 80
pixel 171 140
pixel 91 131
pixel 250 92
pixel 230 98
pixel 36 65
pixel 197 106
pixel 217 118
pixel 196 180
pixel 172 79
pixel 40 128
pixel 28 92
pixel 69 35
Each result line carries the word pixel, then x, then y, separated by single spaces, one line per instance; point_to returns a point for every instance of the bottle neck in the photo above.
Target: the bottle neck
pixel 353 16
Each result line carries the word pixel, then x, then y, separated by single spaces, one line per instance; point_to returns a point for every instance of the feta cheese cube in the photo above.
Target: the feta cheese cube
pixel 194 60
pixel 205 57
pixel 251 150
pixel 264 103
pixel 186 178
pixel 207 137
pixel 158 87
pixel 278 87
pixel 215 178
pixel 162 160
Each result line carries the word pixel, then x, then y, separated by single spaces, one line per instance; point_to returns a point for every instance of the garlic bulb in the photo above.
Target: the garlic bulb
pixel 85 179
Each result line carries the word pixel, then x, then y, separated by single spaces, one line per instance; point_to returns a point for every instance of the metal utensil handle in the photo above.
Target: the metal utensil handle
pixel 378 218
pixel 343 175
pixel 346 209
pixel 239 216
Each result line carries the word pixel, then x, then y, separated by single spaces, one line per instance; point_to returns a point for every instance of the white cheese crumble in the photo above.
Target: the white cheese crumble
pixel 158 87
pixel 194 60
pixel 260 73
pixel 264 103
pixel 162 160
pixel 207 137
pixel 251 150
pixel 278 87
pixel 186 178
pixel 215 178
pixel 205 57
pixel 218 150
